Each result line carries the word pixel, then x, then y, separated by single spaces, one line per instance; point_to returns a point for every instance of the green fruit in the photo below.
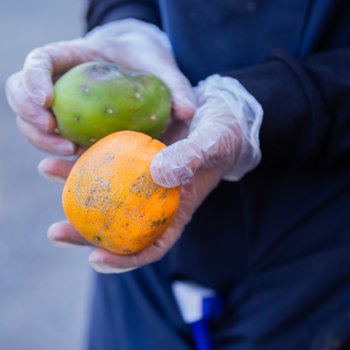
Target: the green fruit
pixel 95 99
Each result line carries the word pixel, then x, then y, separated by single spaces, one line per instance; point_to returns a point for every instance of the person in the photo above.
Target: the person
pixel 261 146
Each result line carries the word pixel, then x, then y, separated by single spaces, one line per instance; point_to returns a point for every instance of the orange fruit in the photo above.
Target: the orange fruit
pixel 111 199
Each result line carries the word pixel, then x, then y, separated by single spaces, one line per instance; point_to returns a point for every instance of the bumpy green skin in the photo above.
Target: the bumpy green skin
pixel 95 99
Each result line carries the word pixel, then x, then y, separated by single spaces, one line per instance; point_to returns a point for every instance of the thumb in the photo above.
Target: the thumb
pixel 53 59
pixel 214 141
pixel 176 163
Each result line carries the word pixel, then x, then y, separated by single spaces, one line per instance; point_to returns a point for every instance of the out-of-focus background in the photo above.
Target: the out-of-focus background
pixel 43 289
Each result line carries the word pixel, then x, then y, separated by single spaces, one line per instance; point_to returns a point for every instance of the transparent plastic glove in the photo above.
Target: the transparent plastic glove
pixel 128 42
pixel 221 141
pixel 224 134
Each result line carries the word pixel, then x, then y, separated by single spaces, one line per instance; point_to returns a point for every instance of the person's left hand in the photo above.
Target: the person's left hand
pixel 222 141
pixel 130 43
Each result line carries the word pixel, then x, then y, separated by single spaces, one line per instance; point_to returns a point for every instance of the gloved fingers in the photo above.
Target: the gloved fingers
pixel 212 142
pixel 103 261
pixel 176 164
pixel 53 59
pixel 52 142
pixel 107 262
pixel 25 107
pixel 222 129
pixel 183 100
pixel 55 169
pixel 162 65
pixel 63 234
pixel 143 46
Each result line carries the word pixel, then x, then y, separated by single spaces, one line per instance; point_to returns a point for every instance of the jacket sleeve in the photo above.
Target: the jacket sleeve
pixel 103 11
pixel 306 106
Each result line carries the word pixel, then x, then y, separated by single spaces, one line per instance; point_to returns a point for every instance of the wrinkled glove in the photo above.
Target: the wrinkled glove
pixel 222 141
pixel 130 42
pixel 224 134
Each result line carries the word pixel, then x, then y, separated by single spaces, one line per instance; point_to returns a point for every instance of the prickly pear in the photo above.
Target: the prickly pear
pixel 95 99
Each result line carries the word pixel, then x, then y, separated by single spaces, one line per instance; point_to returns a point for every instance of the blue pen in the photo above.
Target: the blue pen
pixel 197 305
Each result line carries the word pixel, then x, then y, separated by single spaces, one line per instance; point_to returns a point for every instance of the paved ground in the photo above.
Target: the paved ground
pixel 43 289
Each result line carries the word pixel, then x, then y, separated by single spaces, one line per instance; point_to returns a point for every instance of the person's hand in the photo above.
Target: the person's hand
pixel 130 43
pixel 222 141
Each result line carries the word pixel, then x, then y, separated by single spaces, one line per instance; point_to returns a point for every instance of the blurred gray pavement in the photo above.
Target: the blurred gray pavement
pixel 44 290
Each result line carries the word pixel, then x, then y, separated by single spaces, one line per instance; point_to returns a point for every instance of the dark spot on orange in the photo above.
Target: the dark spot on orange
pixel 99 195
pixel 117 205
pixel 157 223
pixel 145 186
pixel 107 224
pixel 164 193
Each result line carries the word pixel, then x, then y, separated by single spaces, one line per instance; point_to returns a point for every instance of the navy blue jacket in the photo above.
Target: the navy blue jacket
pixel 294 57
pixel 281 235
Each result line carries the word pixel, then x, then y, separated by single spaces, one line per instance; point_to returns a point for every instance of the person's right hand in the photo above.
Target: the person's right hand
pixel 130 43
